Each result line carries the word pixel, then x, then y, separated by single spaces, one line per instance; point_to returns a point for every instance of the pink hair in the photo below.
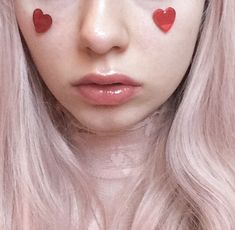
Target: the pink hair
pixel 189 181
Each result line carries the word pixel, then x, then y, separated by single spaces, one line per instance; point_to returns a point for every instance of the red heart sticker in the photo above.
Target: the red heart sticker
pixel 42 22
pixel 164 19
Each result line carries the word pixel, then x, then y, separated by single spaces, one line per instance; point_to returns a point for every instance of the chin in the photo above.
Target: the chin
pixel 110 121
pixel 106 126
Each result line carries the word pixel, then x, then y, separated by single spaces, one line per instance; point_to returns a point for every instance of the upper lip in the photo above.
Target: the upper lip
pixel 100 79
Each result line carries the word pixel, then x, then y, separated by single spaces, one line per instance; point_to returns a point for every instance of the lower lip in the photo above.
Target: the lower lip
pixel 107 94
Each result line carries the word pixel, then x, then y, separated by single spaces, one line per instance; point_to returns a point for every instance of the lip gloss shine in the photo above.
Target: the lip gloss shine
pixel 107 94
pixel 111 89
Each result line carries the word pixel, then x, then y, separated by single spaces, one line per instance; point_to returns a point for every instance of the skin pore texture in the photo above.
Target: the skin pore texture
pixel 103 36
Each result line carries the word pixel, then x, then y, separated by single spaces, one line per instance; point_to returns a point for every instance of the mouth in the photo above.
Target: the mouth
pixel 105 84
pixel 102 90
pixel 107 80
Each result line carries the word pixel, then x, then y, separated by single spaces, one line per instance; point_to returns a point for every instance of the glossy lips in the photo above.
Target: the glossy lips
pixel 164 19
pixel 106 80
pixel 102 90
pixel 42 22
pixel 107 95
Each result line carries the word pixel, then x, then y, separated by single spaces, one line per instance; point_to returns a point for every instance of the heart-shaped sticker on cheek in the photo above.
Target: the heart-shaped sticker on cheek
pixel 42 22
pixel 164 19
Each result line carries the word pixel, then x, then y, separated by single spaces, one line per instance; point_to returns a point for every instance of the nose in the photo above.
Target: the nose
pixel 102 27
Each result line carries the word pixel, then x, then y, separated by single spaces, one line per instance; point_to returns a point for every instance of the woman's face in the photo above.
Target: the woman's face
pixel 106 36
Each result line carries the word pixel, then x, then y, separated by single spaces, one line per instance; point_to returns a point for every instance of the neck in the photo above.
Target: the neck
pixel 119 155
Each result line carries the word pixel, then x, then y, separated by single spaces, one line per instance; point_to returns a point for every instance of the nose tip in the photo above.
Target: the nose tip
pixel 99 42
pixel 100 32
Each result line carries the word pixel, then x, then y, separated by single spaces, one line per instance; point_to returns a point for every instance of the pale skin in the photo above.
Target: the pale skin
pixel 103 36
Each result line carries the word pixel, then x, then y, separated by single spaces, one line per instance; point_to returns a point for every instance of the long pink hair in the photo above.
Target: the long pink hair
pixel 190 179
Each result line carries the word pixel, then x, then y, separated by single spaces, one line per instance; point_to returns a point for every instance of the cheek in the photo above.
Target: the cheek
pixel 168 57
pixel 46 50
pixel 165 70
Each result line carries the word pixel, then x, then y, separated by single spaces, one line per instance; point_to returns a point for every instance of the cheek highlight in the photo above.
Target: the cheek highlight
pixel 42 22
